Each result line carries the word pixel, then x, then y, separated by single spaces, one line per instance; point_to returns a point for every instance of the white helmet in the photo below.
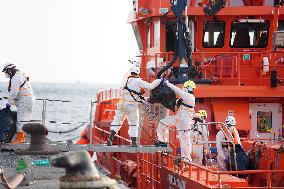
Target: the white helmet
pixel 137 62
pixel 230 120
pixel 135 69
pixel 8 66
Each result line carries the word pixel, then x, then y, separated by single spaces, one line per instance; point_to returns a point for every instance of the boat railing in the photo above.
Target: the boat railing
pixel 197 4
pixel 199 168
pixel 239 68
pixel 108 94
pixel 233 68
pixel 194 171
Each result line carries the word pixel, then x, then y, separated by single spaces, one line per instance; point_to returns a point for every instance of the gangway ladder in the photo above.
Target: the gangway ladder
pixel 126 148
pixel 229 141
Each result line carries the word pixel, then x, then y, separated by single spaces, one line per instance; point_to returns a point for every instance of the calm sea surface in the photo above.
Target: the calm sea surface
pixel 74 112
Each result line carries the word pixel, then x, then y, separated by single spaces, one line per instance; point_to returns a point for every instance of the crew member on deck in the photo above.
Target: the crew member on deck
pixel 222 147
pixel 21 95
pixel 182 120
pixel 127 106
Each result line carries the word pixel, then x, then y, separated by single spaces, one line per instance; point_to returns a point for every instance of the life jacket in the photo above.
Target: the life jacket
pixel 233 137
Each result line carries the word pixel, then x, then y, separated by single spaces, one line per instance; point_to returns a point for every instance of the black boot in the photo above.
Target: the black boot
pixel 160 144
pixel 133 139
pixel 109 140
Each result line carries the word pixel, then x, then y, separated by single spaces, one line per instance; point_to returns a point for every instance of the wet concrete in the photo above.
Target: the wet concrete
pixel 45 176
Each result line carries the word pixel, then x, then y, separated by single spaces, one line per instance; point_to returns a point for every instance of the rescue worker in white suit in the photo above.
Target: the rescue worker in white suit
pixel 21 95
pixel 182 120
pixel 222 147
pixel 127 107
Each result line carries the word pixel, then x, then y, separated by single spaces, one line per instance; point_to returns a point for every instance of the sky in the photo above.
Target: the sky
pixel 67 41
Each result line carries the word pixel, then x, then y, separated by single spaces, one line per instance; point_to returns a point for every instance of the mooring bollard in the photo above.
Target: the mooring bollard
pixel 80 171
pixel 38 146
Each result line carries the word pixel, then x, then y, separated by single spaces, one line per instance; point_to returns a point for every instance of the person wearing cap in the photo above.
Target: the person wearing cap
pixel 182 120
pixel 21 95
pixel 222 144
pixel 127 106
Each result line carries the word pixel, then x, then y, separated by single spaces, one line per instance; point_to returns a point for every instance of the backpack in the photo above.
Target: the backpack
pixel 8 121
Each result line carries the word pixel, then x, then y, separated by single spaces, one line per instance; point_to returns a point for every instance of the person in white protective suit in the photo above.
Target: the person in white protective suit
pixel 222 146
pixel 21 95
pixel 127 106
pixel 182 120
pixel 200 135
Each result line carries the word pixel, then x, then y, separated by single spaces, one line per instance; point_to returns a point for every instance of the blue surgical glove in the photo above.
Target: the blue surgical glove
pixel 227 161
pixel 8 106
pixel 163 80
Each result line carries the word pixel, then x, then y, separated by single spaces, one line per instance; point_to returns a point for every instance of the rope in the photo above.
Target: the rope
pixel 68 131
pixel 67 139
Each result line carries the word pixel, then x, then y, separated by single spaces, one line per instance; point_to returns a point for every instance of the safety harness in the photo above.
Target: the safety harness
pixel 132 92
pixel 180 102
pixel 12 75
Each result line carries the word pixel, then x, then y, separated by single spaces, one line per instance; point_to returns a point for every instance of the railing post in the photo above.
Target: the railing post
pixel 91 125
pixel 198 174
pixel 219 180
pixel 269 179
pixel 189 170
pixel 239 69
pixel 207 178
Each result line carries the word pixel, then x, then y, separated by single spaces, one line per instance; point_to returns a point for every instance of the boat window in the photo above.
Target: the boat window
pixel 157 33
pixel 269 2
pixel 280 25
pixel 264 122
pixel 280 29
pixel 236 3
pixel 170 38
pixel 213 34
pixel 148 37
pixel 248 34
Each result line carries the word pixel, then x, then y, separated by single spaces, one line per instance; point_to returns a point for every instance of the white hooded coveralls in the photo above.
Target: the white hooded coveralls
pixel 222 149
pixel 23 98
pixel 128 108
pixel 182 120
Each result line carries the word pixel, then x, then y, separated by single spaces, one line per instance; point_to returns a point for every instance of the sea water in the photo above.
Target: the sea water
pixel 62 116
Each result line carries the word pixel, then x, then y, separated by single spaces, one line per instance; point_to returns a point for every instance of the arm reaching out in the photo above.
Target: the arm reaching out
pixel 177 90
pixel 149 86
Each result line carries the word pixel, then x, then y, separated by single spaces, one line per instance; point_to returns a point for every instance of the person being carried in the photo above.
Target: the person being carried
pixel 22 96
pixel 127 106
pixel 182 120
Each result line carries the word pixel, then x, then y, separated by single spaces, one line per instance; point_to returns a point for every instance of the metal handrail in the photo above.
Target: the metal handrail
pixel 200 168
pixel 107 132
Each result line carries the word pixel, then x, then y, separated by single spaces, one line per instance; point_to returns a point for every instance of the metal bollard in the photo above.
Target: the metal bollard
pixel 80 171
pixel 38 145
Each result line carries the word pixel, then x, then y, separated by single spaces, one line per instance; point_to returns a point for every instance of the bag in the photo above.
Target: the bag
pixel 164 95
pixel 242 160
pixel 8 121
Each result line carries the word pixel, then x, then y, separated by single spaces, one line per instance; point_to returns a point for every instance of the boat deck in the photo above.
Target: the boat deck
pixel 93 147
pixel 213 179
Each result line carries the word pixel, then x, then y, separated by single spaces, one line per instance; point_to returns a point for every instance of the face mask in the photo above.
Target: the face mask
pixel 7 75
